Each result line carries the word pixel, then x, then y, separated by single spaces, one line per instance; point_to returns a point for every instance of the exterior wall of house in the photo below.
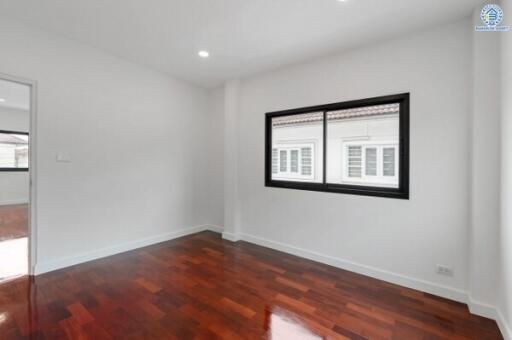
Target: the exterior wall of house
pixel 375 129
pixel 378 130
pixel 310 134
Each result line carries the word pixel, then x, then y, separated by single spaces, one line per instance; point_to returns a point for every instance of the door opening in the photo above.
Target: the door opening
pixel 15 177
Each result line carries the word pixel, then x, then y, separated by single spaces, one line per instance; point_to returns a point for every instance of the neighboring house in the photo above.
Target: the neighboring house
pixel 362 146
pixel 13 151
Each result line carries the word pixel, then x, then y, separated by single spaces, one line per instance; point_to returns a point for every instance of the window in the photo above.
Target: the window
pixel 294 162
pixel 369 163
pixel 296 148
pixel 13 151
pixel 357 147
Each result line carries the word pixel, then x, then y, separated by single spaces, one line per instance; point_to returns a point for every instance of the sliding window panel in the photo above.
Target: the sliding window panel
pixel 297 147
pixel 14 155
pixel 363 145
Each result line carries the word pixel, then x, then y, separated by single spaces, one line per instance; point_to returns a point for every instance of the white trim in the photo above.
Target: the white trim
pixel 399 279
pixel 505 329
pixel 14 202
pixel 231 236
pixel 214 228
pixel 49 266
pixel 475 307
pixel 32 225
pixel 491 312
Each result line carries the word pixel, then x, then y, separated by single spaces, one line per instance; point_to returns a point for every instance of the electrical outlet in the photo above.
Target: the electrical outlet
pixel 444 270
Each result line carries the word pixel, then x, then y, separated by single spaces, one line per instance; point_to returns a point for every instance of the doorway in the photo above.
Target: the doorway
pixel 16 153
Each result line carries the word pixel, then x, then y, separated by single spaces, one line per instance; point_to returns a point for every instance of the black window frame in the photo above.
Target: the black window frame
pixel 402 192
pixel 9 132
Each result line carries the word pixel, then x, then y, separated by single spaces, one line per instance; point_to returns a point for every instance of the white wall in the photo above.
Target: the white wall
pixel 14 186
pixel 14 119
pixel 134 138
pixel 505 301
pixel 485 175
pixel 214 147
pixel 400 240
pixel 232 209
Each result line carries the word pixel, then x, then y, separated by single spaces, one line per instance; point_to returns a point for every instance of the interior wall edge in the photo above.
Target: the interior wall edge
pixel 233 237
pixel 506 331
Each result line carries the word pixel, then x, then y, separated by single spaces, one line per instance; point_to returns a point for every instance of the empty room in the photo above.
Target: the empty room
pixel 256 169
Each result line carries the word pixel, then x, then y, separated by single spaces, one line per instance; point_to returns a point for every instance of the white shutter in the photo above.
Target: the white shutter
pixel 355 161
pixel 283 161
pixel 306 161
pixel 389 161
pixel 371 161
pixel 275 158
pixel 294 161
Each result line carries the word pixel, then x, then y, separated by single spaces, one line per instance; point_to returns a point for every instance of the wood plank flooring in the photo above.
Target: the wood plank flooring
pixel 202 287
pixel 13 221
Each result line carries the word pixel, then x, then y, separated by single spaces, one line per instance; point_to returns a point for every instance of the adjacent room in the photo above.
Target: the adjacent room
pixel 265 169
pixel 14 178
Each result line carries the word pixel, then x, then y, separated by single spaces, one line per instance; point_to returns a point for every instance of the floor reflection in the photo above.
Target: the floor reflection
pixel 285 325
pixel 13 241
pixel 13 258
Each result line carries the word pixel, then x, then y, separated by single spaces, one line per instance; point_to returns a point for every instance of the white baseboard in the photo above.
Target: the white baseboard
pixel 214 228
pixel 481 308
pixel 399 279
pixel 505 329
pixel 231 236
pixel 49 266
pixel 14 202
pixel 491 312
pixel 475 307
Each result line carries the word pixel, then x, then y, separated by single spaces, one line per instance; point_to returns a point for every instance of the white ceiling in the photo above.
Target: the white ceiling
pixel 14 95
pixel 242 36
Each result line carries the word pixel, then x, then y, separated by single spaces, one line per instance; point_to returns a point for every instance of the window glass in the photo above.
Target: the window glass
pixel 358 147
pixel 297 144
pixel 13 151
pixel 362 144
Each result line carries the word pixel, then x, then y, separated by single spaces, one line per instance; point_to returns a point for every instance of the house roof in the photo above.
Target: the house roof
pixel 11 139
pixel 360 112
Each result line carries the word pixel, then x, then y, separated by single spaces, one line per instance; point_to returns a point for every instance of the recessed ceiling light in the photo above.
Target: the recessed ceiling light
pixel 2 100
pixel 204 54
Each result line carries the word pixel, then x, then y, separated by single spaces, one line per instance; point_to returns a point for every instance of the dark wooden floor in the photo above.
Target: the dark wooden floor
pixel 13 221
pixel 201 287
